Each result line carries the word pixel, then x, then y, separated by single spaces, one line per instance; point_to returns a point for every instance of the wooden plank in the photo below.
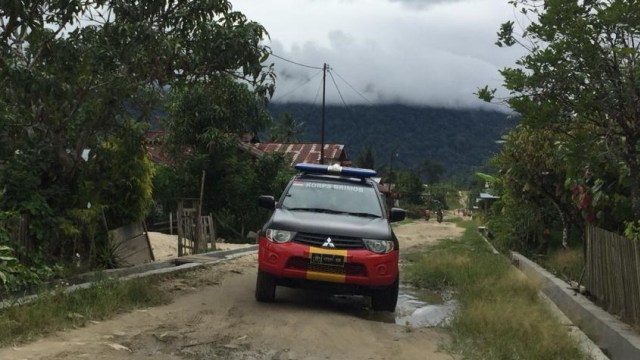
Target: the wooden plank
pixel 606 265
pixel 131 245
pixel 631 289
pixel 613 273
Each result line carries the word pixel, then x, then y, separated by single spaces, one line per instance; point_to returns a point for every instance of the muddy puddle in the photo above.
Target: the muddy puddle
pixel 424 308
pixel 416 308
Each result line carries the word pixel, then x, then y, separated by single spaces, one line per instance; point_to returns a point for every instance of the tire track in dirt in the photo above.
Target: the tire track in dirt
pixel 214 315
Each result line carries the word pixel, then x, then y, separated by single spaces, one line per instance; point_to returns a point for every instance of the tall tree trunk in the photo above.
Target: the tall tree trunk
pixel 634 173
pixel 565 225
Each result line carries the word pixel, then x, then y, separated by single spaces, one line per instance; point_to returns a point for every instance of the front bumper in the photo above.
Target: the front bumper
pixel 361 267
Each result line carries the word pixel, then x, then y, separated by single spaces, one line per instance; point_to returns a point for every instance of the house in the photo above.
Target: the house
pixel 308 152
pixel 155 148
pixel 154 143
pixel 484 201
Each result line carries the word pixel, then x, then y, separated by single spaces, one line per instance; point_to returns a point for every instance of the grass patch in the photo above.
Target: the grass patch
pixel 58 310
pixel 455 220
pixel 453 200
pixel 500 315
pixel 566 264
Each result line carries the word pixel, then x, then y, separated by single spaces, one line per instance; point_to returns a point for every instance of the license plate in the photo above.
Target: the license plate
pixel 327 259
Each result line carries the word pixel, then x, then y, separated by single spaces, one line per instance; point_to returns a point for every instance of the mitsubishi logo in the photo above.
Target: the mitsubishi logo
pixel 328 244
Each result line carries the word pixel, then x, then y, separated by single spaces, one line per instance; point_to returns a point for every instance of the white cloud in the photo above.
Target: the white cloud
pixel 409 51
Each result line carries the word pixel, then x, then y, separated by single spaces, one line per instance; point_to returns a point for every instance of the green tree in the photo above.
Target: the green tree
pixel 118 175
pixel 432 170
pixel 533 166
pixel 204 126
pixel 76 73
pixel 202 115
pixel 366 157
pixel 286 129
pixel 234 179
pixel 409 186
pixel 581 76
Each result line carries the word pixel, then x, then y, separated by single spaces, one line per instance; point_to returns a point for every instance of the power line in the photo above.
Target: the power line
pixel 352 88
pixel 317 94
pixel 297 63
pixel 301 85
pixel 320 68
pixel 339 93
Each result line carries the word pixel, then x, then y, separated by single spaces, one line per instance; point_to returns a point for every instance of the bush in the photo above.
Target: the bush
pixel 414 211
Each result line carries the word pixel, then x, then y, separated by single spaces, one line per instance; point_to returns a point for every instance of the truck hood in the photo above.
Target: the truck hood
pixel 330 224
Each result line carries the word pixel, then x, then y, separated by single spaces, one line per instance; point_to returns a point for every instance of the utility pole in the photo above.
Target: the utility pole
pixel 324 78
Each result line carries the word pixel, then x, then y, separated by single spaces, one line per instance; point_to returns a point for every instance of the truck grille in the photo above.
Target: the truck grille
pixel 340 242
pixel 353 269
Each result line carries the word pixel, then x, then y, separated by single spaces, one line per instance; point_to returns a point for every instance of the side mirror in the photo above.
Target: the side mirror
pixel 267 202
pixel 397 214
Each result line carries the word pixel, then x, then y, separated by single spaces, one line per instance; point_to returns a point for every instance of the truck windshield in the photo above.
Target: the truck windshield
pixel 354 199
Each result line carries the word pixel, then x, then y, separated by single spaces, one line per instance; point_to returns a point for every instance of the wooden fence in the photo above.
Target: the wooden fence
pixel 169 226
pixel 195 232
pixel 17 229
pixel 613 273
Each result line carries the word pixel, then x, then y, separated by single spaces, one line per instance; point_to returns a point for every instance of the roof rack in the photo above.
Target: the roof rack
pixel 335 170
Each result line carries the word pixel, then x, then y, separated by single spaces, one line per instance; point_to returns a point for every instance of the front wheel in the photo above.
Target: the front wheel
pixel 386 299
pixel 265 287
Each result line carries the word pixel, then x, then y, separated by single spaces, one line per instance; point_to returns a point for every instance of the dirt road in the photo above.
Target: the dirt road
pixel 214 316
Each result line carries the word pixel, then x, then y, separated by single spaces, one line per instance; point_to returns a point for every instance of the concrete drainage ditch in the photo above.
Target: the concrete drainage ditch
pixel 173 265
pixel 611 335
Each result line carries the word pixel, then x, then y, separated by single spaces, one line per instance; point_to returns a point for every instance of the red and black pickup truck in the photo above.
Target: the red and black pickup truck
pixel 330 230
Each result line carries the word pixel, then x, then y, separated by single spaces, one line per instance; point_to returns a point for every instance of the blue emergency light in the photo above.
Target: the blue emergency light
pixel 335 170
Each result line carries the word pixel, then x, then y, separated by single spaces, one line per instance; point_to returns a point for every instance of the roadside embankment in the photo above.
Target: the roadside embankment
pixel 616 338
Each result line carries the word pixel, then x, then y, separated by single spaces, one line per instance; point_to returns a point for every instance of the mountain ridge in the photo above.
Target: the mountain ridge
pixel 462 140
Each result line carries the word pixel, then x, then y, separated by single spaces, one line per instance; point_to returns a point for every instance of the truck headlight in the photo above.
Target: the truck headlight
pixel 379 246
pixel 280 236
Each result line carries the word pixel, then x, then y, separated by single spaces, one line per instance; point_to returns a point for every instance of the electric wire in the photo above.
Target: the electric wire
pixel 330 71
pixel 317 94
pixel 280 98
pixel 297 63
pixel 310 110
pixel 339 92
pixel 306 82
pixel 352 88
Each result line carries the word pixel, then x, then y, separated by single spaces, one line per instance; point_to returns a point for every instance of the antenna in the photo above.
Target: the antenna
pixel 324 81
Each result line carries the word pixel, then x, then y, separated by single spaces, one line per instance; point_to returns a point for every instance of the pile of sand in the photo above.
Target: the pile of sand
pixel 165 246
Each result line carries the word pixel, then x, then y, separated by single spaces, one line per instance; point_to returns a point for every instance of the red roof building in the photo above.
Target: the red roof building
pixel 308 153
pixel 298 153
pixel 155 148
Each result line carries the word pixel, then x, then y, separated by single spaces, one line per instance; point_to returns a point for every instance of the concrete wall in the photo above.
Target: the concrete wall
pixel 614 337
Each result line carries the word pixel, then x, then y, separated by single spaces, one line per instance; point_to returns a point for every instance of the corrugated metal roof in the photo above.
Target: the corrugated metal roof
pixel 307 153
pixel 488 196
pixel 158 152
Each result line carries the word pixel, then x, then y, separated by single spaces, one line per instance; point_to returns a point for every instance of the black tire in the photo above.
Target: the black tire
pixel 265 287
pixel 386 299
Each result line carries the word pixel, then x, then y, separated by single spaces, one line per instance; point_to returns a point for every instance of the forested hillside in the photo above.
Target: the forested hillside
pixel 460 140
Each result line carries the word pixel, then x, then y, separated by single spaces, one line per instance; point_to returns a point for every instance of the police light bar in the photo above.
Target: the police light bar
pixel 335 170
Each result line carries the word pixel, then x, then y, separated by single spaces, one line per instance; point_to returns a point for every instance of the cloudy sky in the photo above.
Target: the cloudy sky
pixel 425 52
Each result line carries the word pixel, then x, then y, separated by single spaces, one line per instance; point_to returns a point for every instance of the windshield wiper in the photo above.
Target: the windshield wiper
pixel 331 211
pixel 364 214
pixel 321 210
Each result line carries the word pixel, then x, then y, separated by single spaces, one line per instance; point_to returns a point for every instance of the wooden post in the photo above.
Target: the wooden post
pixel 200 244
pixel 171 223
pixel 180 216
